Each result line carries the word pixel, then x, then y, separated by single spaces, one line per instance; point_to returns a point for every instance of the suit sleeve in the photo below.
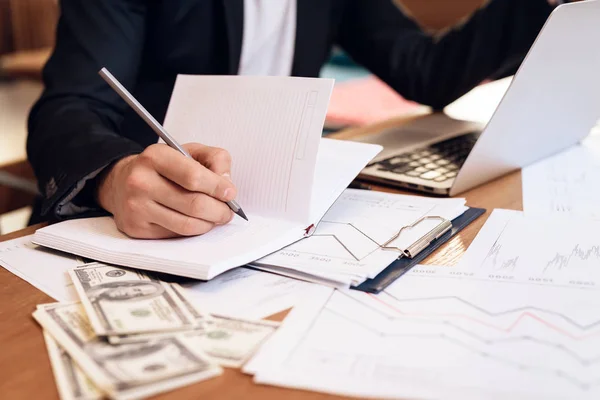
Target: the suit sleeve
pixel 436 70
pixel 74 126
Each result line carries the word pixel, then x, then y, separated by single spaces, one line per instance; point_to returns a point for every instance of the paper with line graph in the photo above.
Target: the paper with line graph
pixel 437 333
pixel 347 242
pixel 566 183
pixel 517 247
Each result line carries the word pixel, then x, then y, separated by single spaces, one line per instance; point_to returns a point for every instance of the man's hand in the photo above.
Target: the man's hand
pixel 160 193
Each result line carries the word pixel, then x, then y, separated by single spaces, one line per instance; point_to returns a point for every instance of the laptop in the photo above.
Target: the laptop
pixel 551 104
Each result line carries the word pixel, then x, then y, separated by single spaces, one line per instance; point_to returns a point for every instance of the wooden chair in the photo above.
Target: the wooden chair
pixel 26 64
pixel 17 186
pixel 26 37
pixel 17 181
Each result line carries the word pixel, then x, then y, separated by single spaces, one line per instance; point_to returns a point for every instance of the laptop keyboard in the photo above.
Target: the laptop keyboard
pixel 437 162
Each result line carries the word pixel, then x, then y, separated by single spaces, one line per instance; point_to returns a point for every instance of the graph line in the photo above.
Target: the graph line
pixel 441 336
pixel 405 207
pixel 561 261
pixel 342 244
pixel 557 346
pixel 558 262
pixel 509 264
pixel 495 252
pixel 525 313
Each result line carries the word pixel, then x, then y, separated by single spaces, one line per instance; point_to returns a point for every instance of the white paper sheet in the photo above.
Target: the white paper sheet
pixel 45 269
pixel 339 281
pixel 566 183
pixel 337 166
pixel 291 330
pixel 271 126
pixel 247 293
pixel 518 319
pixel 348 239
pixel 243 292
pixel 518 247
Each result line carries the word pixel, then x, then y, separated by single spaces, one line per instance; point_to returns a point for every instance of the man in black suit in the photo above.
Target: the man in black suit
pixel 92 154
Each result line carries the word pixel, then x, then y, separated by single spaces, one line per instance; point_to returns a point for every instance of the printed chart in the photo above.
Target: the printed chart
pixel 437 334
pixel 566 183
pixel 513 246
pixel 517 318
pixel 347 242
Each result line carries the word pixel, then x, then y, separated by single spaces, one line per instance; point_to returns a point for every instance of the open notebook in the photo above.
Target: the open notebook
pixel 287 175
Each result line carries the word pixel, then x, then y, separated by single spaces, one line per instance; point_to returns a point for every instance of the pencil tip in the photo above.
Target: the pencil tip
pixel 241 213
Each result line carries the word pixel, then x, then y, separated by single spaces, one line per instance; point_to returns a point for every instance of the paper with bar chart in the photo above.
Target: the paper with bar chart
pixel 516 320
pixel 346 244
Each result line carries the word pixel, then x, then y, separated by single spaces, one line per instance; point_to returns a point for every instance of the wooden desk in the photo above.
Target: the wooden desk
pixel 25 368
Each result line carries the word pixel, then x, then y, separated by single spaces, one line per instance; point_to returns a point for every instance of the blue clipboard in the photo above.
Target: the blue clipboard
pixel 404 263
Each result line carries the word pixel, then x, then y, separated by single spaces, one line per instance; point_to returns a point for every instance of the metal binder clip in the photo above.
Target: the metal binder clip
pixel 424 241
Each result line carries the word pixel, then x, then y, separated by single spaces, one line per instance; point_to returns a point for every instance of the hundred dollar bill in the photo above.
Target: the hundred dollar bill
pixel 199 319
pixel 128 371
pixel 142 337
pixel 71 382
pixel 230 342
pixel 121 301
pixel 190 306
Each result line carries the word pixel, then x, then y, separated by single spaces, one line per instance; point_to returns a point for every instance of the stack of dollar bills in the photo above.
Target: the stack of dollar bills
pixel 133 335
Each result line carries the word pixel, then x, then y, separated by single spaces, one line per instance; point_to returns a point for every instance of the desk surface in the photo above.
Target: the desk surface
pixel 24 363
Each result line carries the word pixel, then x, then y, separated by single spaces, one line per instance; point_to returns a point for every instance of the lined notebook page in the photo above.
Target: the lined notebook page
pixel 270 125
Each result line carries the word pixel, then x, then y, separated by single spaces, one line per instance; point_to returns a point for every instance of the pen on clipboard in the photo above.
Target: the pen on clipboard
pixel 155 125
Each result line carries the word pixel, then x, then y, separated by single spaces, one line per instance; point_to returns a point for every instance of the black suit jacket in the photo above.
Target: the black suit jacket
pixel 80 125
